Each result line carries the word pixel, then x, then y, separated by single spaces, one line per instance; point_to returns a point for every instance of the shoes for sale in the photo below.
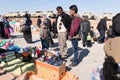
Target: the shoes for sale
pixel 73 64
pixel 58 62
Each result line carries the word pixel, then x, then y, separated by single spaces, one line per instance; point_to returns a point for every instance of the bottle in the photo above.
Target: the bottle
pixel 33 52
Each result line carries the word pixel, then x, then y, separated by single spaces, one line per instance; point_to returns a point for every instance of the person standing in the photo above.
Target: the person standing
pixel 63 26
pixel 74 33
pixel 17 26
pixel 2 33
pixel 85 29
pixel 38 22
pixel 44 32
pixel 27 29
pixel 102 27
pixel 6 27
pixel 53 28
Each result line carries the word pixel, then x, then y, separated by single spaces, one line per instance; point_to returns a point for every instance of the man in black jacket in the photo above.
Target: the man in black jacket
pixel 2 32
pixel 39 21
pixel 85 29
pixel 63 27
pixel 102 27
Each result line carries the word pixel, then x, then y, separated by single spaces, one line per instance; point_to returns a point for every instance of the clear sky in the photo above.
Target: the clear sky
pixel 95 6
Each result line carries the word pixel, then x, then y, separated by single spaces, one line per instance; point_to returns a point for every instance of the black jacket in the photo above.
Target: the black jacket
pixel 102 25
pixel 66 19
pixel 85 26
pixel 38 22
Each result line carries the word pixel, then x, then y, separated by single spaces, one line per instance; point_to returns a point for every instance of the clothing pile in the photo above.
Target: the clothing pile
pixel 9 45
pixel 7 56
pixel 51 57
pixel 6 43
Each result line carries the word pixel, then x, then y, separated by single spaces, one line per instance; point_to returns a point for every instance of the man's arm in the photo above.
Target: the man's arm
pixel 75 27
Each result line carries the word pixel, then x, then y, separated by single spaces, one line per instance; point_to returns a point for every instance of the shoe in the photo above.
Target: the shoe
pixel 58 62
pixel 71 60
pixel 64 57
pixel 67 55
pixel 73 64
pixel 51 61
pixel 84 45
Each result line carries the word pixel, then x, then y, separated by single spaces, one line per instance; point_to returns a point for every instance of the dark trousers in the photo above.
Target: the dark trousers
pixel 89 44
pixel 27 35
pixel 75 47
pixel 45 43
pixel 84 38
pixel 2 32
pixel 102 36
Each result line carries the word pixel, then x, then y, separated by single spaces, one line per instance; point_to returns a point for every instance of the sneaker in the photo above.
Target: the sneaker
pixel 73 64
pixel 64 57
pixel 71 60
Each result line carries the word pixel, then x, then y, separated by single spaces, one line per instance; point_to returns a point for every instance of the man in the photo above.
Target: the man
pixel 2 33
pixel 102 27
pixel 85 29
pixel 44 33
pixel 1 25
pixel 38 22
pixel 6 27
pixel 63 26
pixel 74 33
pixel 27 34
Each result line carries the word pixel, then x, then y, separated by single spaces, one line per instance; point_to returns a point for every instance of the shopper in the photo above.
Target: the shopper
pixel 45 36
pixel 102 27
pixel 38 22
pixel 53 26
pixel 85 29
pixel 63 27
pixel 74 33
pixel 27 29
pixel 2 33
pixel 6 27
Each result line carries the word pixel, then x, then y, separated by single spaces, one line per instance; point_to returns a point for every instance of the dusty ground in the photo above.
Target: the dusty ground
pixel 89 58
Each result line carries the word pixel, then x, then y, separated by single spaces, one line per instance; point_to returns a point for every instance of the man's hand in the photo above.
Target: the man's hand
pixel 69 37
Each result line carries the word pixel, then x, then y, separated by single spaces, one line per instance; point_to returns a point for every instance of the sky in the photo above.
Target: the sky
pixel 94 6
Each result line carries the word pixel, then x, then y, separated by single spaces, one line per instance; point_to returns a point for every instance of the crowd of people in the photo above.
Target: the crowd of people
pixel 62 26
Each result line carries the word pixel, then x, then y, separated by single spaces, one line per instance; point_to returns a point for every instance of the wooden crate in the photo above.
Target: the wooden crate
pixel 50 72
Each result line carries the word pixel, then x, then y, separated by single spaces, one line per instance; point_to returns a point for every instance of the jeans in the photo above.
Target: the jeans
pixel 75 47
pixel 45 43
pixel 84 38
pixel 102 36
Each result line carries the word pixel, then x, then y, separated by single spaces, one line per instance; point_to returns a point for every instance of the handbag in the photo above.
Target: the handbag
pixel 11 30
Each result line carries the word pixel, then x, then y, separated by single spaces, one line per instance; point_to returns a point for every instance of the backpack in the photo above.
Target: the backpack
pixel 116 25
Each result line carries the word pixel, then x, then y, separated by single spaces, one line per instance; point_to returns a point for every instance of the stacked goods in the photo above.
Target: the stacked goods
pixel 14 48
pixel 7 56
pixel 29 53
pixel 50 57
pixel 6 43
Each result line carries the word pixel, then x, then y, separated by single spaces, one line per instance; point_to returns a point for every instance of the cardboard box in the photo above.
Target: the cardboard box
pixel 49 72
